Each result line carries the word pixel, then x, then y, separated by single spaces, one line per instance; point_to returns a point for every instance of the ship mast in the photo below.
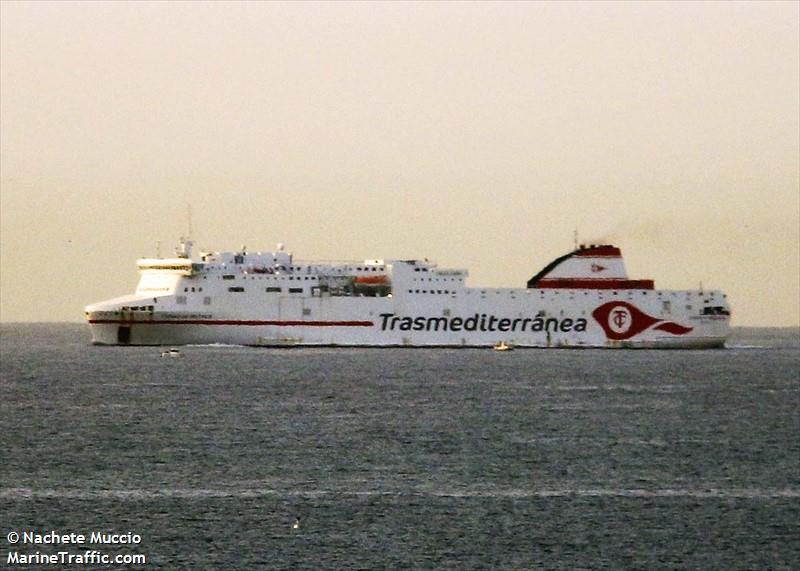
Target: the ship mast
pixel 184 249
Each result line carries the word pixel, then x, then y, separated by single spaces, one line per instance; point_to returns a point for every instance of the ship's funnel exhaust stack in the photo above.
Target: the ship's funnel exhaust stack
pixel 592 266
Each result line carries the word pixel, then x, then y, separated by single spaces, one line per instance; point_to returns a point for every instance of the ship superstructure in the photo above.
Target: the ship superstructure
pixel 582 299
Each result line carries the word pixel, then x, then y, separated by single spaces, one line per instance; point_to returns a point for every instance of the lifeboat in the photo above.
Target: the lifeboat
pixel 380 280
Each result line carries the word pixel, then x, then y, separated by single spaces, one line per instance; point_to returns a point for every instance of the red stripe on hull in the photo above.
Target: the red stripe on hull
pixel 673 328
pixel 236 322
pixel 574 283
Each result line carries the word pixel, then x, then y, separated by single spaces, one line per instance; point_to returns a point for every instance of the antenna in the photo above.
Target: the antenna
pixel 189 218
pixel 575 239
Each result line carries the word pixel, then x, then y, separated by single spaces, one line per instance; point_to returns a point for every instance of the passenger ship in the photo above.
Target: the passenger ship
pixel 581 299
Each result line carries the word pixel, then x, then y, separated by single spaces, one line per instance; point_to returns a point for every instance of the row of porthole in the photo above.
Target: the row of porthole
pixel 298 278
pixel 483 292
pixel 569 292
pixel 542 292
pixel 239 289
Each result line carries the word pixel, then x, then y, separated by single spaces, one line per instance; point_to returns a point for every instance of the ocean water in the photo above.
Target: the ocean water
pixel 404 458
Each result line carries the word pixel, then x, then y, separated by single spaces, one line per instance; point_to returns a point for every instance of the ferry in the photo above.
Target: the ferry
pixel 581 299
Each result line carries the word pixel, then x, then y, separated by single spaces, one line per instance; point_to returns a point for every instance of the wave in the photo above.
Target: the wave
pixel 203 493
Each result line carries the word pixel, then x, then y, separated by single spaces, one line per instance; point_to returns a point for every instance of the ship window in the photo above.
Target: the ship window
pixel 273 290
pixel 416 291
pixel 228 277
pixel 306 311
pixel 180 299
pixel 207 300
pixel 295 290
pixel 236 289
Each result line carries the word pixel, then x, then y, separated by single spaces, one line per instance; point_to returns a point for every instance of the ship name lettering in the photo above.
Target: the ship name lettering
pixel 480 322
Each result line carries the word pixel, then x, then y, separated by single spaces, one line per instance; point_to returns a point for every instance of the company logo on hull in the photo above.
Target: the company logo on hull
pixel 621 320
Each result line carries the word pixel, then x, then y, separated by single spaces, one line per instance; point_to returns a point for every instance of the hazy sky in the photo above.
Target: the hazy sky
pixel 478 135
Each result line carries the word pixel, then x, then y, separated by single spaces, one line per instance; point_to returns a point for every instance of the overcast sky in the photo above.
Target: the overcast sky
pixel 478 134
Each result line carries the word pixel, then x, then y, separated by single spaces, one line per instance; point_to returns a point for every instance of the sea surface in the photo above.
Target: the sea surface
pixel 404 458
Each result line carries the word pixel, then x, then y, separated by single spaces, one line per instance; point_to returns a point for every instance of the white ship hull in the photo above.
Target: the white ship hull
pixel 216 304
pixel 273 336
